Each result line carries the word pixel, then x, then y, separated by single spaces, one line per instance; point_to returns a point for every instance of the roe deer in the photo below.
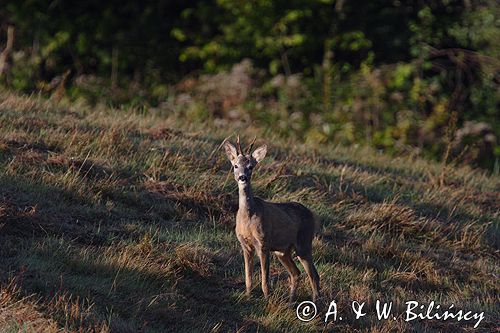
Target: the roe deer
pixel 263 226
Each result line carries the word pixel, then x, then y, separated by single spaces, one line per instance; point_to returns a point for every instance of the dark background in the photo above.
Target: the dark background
pixel 403 76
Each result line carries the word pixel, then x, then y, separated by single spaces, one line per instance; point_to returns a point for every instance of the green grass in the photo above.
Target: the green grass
pixel 122 221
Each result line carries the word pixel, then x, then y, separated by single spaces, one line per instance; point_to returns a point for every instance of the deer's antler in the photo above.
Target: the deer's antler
pixel 249 150
pixel 239 145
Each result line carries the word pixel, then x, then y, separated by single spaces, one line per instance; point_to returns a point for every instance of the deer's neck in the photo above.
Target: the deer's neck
pixel 246 200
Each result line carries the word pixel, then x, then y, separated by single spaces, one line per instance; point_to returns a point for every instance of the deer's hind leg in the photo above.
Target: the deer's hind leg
pixel 286 259
pixel 305 258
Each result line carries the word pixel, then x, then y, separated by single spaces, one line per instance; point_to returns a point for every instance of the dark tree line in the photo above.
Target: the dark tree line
pixel 386 61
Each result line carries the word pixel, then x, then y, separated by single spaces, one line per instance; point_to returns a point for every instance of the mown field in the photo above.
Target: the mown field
pixel 122 221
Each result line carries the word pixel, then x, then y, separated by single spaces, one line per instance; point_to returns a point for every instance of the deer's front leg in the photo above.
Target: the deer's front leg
pixel 248 256
pixel 264 270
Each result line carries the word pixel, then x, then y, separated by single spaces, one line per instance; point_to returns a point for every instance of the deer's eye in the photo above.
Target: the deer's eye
pixel 250 167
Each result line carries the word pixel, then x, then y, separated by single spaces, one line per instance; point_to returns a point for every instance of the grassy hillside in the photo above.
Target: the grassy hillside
pixel 122 221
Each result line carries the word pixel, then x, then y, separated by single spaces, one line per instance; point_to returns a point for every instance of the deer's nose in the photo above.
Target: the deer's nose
pixel 243 178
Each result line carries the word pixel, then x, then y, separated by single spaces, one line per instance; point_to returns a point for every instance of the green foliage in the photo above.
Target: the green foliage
pixel 386 74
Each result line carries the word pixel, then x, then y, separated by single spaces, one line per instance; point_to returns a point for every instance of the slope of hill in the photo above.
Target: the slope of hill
pixel 122 221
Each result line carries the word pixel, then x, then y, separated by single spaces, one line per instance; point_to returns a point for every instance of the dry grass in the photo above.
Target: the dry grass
pixel 122 221
pixel 20 314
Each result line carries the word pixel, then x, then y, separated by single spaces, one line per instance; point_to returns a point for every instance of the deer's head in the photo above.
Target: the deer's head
pixel 244 163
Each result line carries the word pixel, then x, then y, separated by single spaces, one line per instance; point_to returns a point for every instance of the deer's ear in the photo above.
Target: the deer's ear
pixel 231 152
pixel 260 153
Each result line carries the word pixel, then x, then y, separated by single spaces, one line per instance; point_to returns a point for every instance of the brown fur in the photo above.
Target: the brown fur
pixel 263 226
